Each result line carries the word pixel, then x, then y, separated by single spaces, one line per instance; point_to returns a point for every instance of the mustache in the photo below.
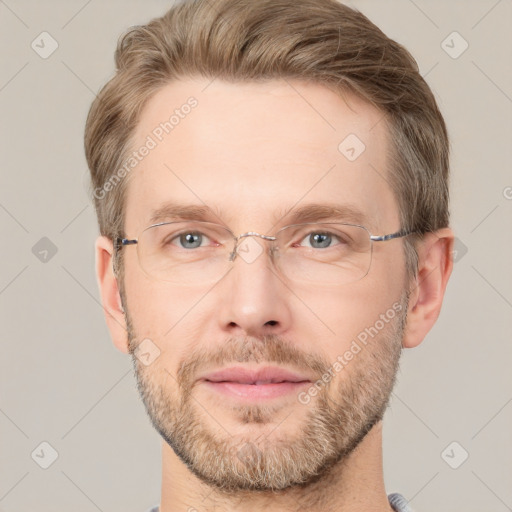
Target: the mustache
pixel 269 349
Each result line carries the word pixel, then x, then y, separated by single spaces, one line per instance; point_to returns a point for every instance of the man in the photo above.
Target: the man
pixel 270 179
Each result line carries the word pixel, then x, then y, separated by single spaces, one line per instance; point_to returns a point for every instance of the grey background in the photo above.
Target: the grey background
pixel 63 382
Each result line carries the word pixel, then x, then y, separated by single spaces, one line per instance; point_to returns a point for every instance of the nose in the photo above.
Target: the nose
pixel 254 299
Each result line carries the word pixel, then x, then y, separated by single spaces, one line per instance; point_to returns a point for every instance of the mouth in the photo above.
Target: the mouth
pixel 263 383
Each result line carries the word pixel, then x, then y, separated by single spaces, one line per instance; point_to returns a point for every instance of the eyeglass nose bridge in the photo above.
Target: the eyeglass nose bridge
pixel 244 235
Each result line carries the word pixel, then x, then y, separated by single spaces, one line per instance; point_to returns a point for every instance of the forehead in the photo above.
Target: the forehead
pixel 253 151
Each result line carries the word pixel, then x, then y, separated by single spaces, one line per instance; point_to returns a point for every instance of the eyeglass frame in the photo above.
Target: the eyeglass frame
pixel 121 242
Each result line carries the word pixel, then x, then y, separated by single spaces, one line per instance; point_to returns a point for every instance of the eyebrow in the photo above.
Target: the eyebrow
pixel 177 211
pixel 327 211
pixel 312 212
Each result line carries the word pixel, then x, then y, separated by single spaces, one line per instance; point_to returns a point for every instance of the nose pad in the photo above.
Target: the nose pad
pixel 248 248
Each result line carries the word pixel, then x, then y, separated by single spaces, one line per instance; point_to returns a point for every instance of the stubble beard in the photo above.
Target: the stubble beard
pixel 332 425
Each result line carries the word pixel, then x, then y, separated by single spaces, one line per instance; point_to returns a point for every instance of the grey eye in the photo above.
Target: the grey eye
pixel 320 240
pixel 191 240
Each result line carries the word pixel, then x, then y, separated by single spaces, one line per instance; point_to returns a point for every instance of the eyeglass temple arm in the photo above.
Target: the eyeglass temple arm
pixel 119 243
pixel 124 241
pixel 383 238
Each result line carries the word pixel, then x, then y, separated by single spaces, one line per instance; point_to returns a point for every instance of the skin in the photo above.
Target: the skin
pixel 253 152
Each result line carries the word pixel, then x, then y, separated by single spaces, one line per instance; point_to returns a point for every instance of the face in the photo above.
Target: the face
pixel 253 154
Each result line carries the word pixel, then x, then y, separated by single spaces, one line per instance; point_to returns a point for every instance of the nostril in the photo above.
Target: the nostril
pixel 271 322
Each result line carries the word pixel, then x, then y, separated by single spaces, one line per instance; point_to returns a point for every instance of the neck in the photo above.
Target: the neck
pixel 355 484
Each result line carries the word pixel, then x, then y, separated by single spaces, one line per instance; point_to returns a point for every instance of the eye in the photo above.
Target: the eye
pixel 189 240
pixel 322 240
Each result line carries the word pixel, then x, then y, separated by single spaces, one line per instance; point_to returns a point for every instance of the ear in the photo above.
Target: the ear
pixel 109 292
pixel 435 265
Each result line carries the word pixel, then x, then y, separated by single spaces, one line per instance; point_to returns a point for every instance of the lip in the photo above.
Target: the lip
pixel 260 384
pixel 260 376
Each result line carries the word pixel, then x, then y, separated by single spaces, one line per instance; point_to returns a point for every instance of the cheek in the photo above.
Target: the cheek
pixel 172 319
pixel 340 315
pixel 160 311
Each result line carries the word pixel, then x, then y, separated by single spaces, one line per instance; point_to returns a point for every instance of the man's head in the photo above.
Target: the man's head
pixel 250 111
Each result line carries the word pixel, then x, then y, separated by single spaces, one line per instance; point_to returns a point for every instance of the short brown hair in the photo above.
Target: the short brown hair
pixel 323 41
